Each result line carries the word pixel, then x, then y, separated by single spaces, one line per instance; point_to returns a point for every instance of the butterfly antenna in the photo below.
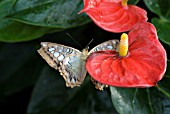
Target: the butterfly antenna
pixel 74 40
pixel 87 46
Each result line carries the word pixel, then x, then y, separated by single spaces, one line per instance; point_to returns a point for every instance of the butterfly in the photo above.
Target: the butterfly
pixel 70 62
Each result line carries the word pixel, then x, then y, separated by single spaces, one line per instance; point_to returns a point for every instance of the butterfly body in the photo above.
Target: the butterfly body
pixel 70 62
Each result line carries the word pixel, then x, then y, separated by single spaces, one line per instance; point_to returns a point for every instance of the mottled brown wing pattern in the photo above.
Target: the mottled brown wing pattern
pixel 68 61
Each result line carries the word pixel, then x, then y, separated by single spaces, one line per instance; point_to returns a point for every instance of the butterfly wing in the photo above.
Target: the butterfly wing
pixel 108 45
pixel 69 61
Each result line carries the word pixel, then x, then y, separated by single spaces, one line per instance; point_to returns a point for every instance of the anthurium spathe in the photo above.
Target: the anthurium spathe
pixel 143 64
pixel 114 15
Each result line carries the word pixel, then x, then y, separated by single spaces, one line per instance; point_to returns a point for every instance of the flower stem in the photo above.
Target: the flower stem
pixel 123 46
pixel 163 91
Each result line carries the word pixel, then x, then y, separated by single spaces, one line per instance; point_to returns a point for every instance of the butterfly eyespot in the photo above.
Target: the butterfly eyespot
pixel 56 54
pixel 109 47
pixel 61 57
pixel 51 49
pixel 66 61
pixel 60 50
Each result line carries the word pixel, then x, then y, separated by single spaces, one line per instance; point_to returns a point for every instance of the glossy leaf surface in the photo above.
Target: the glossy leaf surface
pixel 139 101
pixel 110 15
pixel 159 7
pixel 144 65
pixel 49 13
pixel 163 28
pixel 11 31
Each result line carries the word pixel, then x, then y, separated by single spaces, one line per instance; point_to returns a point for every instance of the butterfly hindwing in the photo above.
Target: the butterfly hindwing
pixel 69 61
pixel 108 45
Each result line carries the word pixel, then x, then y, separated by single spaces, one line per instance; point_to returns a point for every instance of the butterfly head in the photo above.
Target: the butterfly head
pixel 85 51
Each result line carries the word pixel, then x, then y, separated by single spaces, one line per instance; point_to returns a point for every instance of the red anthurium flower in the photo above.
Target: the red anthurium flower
pixel 141 63
pixel 114 15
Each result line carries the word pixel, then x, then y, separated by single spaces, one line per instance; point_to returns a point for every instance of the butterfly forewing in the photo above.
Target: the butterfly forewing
pixel 108 45
pixel 69 61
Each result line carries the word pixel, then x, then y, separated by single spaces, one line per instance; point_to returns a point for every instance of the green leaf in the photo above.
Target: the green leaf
pixel 11 31
pixel 51 96
pixel 50 13
pixel 130 101
pixel 139 101
pixel 159 7
pixel 133 1
pixel 17 69
pixel 153 6
pixel 163 29
pixel 159 102
pixel 5 6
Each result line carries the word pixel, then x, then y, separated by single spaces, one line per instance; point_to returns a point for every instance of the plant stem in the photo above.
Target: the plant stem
pixel 163 91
